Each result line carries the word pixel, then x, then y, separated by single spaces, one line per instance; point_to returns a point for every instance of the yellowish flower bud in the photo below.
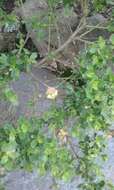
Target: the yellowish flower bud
pixel 51 93
pixel 63 135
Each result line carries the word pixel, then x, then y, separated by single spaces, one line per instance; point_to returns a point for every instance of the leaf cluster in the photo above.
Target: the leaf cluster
pixel 49 143
pixel 91 99
pixel 28 146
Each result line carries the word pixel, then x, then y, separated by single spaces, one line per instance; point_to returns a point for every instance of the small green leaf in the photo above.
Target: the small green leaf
pixel 102 43
pixel 112 39
pixel 11 96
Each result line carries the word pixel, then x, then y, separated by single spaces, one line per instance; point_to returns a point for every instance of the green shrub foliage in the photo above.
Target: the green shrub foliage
pixel 69 140
pixel 51 144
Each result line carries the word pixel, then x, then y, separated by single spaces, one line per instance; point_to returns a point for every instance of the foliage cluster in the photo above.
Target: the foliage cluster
pixel 48 144
pixel 91 100
pixel 51 143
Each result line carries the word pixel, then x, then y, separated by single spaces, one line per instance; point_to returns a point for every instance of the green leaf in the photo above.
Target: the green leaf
pixel 112 39
pixel 24 127
pixel 66 176
pixel 102 43
pixel 33 57
pixel 4 159
pixel 11 96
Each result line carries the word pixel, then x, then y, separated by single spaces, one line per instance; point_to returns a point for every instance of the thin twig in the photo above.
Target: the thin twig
pixel 38 80
pixel 58 35
pixel 84 40
pixel 21 48
pixel 88 31
pixel 73 150
pixel 97 27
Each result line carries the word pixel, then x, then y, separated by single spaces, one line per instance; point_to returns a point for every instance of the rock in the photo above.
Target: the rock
pixel 31 89
pixel 34 12
pixel 7 41
pixel 9 26
pixel 32 181
pixel 3 112
pixel 96 19
pixel 100 21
